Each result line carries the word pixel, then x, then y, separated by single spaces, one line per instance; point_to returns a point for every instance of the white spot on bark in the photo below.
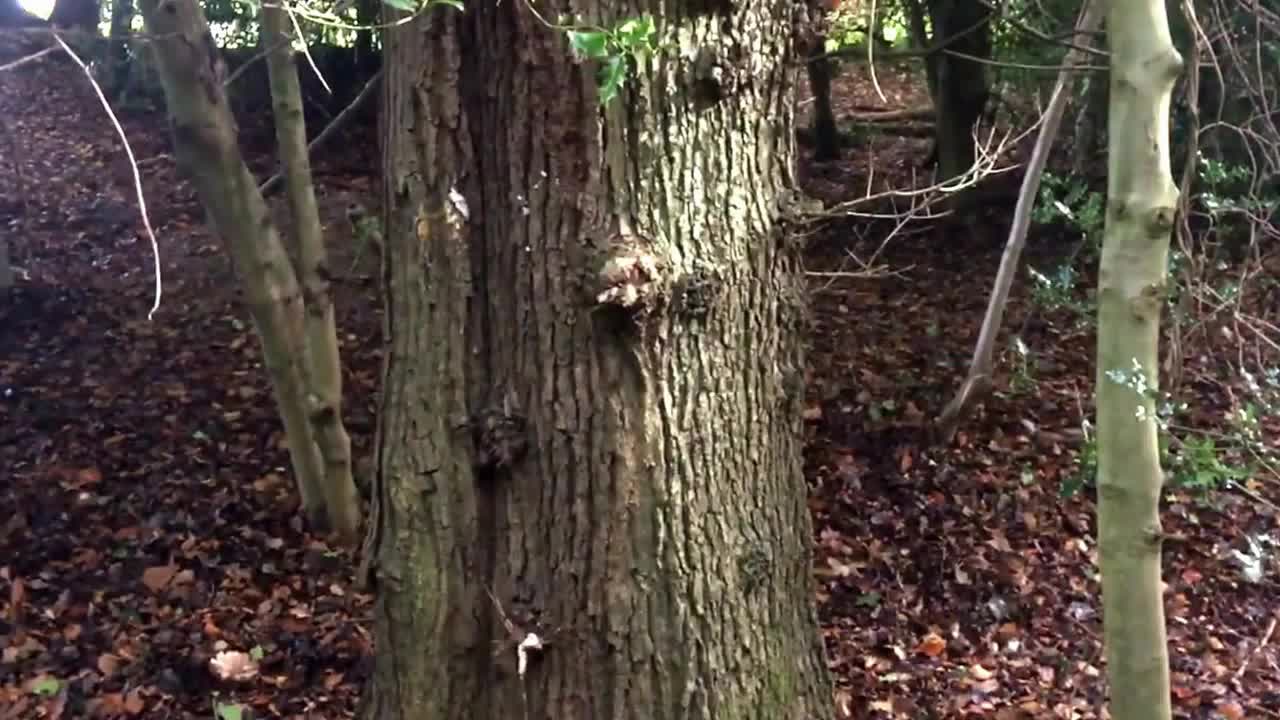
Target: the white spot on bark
pixel 530 642
pixel 459 203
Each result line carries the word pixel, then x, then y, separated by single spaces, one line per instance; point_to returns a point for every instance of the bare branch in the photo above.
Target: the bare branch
pixel 980 367
pixel 29 58
pixel 133 165
pixel 273 183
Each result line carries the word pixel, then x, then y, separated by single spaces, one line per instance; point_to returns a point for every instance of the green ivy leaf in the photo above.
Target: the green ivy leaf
pixel 1070 486
pixel 229 711
pixel 46 686
pixel 589 43
pixel 611 77
pixel 455 4
pixel 871 599
pixel 636 33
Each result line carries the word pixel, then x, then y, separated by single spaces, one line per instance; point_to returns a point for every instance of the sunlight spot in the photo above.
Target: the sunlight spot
pixel 40 8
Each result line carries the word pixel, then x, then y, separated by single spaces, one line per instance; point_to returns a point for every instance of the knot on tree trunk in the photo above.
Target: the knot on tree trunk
pixel 501 439
pixel 696 292
pixel 630 279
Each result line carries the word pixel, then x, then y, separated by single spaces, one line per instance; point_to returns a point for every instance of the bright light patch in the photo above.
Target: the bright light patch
pixel 40 8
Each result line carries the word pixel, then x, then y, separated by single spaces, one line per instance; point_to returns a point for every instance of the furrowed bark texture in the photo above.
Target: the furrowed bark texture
pixel 322 362
pixel 1141 202
pixel 205 141
pixel 623 477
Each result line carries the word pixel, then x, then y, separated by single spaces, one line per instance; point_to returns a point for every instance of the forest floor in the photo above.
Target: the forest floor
pixel 145 509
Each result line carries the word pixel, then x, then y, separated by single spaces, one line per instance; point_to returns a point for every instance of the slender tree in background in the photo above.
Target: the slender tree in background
pixel 977 382
pixel 321 357
pixel 368 13
pixel 14 168
pixel 590 423
pixel 80 15
pixel 819 69
pixel 955 36
pixel 960 90
pixel 826 136
pixel 192 74
pixel 117 54
pixel 6 269
pixel 1141 202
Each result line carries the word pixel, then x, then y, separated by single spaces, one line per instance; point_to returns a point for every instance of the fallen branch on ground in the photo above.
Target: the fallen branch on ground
pixel 873 116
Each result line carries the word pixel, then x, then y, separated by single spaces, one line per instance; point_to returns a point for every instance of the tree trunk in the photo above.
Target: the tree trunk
pixel 917 27
pixel 826 137
pixel 1091 117
pixel 368 13
pixel 118 47
pixel 590 413
pixel 20 209
pixel 12 14
pixel 1141 202
pixel 959 84
pixel 322 363
pixel 80 15
pixel 6 269
pixel 192 74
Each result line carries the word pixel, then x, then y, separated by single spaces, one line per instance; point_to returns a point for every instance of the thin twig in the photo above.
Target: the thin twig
pixel 133 165
pixel 235 75
pixel 1024 66
pixel 272 183
pixel 24 60
pixel 1266 637
pixel 871 49
pixel 306 49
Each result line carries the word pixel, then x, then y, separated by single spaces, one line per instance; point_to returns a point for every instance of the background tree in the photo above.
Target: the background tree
pixel 826 135
pixel 959 39
pixel 590 413
pixel 321 356
pixel 12 14
pixel 193 75
pixel 82 15
pixel 118 48
pixel 6 269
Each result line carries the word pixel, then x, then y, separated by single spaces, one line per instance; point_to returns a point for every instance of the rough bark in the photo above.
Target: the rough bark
pixel 204 130
pixel 322 361
pixel 591 401
pixel 978 381
pixel 1141 203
